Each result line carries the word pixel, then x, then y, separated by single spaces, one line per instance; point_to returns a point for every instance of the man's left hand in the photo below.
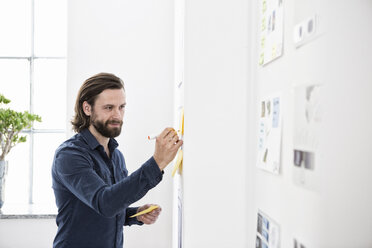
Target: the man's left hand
pixel 149 218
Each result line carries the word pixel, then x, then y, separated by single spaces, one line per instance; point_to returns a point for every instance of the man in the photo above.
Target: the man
pixel 90 181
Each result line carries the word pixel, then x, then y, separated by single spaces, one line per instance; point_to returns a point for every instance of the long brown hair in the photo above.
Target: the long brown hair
pixel 89 91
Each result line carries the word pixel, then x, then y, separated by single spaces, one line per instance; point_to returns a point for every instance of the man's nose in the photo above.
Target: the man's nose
pixel 117 113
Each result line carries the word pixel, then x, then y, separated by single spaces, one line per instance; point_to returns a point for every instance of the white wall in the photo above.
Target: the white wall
pixel 223 189
pixel 215 151
pixel 32 233
pixel 347 194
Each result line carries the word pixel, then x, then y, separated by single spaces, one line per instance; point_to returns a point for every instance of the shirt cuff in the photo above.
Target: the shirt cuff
pixel 153 172
pixel 132 221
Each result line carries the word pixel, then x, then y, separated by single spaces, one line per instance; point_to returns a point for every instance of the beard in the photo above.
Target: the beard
pixel 104 129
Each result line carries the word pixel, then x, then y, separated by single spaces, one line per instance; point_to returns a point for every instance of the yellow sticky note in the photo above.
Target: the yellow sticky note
pixel 263 24
pixel 178 162
pixel 273 52
pixel 182 121
pixel 262 58
pixel 263 42
pixel 180 167
pixel 147 210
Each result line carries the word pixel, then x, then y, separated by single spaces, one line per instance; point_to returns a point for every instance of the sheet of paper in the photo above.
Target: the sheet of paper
pixel 268 232
pixel 147 210
pixel 271 30
pixel 269 136
pixel 308 115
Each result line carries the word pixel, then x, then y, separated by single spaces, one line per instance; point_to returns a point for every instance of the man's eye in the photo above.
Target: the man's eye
pixel 108 107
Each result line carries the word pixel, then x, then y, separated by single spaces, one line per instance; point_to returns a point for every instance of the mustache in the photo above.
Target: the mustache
pixel 114 122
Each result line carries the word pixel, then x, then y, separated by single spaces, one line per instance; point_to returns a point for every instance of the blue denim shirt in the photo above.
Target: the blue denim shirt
pixel 93 192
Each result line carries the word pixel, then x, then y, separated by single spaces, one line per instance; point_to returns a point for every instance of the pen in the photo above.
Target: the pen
pixel 152 136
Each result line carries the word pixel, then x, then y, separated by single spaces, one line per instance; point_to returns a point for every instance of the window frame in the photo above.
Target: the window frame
pixel 32 131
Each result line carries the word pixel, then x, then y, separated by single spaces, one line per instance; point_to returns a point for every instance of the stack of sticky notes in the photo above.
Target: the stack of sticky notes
pixel 147 210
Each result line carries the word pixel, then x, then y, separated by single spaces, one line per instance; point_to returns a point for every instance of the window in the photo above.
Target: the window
pixel 33 49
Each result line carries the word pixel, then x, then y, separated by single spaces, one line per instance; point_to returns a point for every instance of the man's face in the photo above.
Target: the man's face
pixel 108 112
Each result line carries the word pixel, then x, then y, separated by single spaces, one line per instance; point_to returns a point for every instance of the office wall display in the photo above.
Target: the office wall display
pixel 269 134
pixel 268 232
pixel 271 30
pixel 308 114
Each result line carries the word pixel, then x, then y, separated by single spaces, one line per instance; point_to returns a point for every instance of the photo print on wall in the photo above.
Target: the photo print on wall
pixel 268 232
pixel 269 134
pixel 308 114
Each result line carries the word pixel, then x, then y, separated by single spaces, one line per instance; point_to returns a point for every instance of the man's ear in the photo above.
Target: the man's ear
pixel 87 108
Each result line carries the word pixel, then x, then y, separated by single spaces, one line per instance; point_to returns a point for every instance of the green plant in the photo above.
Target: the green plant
pixel 11 124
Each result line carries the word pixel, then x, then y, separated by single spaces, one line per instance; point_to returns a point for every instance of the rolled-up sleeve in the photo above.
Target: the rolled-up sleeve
pixel 75 171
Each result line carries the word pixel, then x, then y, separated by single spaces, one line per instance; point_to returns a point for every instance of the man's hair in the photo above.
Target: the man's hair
pixel 89 91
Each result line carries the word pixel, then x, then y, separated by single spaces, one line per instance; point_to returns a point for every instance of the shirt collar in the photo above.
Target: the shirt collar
pixel 93 143
pixel 112 144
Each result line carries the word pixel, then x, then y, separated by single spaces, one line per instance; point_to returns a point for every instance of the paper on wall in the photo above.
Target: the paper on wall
pixel 269 136
pixel 271 30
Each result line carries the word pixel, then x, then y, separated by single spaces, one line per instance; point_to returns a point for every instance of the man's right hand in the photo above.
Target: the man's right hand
pixel 166 147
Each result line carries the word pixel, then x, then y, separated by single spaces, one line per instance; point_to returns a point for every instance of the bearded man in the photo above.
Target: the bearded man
pixel 91 184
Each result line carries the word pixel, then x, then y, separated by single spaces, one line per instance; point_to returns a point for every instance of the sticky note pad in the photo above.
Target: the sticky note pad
pixel 147 210
pixel 178 162
pixel 182 121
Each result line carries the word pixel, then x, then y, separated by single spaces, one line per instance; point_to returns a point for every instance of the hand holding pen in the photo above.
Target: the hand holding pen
pixel 166 147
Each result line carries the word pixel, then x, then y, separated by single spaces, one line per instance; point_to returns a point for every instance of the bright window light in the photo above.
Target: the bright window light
pixel 33 48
